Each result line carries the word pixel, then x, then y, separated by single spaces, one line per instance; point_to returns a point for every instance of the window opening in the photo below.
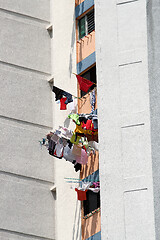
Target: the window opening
pixel 90 75
pixel 82 27
pixel 86 24
pixel 92 202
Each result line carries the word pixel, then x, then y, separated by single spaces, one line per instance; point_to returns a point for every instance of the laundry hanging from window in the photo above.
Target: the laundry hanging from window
pixel 84 83
pixel 63 96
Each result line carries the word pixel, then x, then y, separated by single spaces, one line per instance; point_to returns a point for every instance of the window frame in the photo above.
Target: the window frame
pixel 98 206
pixel 86 24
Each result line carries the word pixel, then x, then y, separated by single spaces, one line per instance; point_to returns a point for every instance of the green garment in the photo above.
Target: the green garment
pixel 84 142
pixel 72 140
pixel 75 118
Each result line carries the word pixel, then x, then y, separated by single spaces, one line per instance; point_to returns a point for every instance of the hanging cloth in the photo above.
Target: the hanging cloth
pixel 75 118
pixel 63 104
pixel 81 194
pixel 68 96
pixel 58 93
pixel 84 84
pixel 92 100
pixel 83 158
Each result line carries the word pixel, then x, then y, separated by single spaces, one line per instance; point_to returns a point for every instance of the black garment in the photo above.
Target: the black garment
pixel 51 147
pixel 69 144
pixel 57 157
pixel 58 93
pixel 68 96
pixel 77 167
pixel 83 119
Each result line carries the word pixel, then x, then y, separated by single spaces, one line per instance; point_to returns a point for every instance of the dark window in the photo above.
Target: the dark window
pixel 86 24
pixel 82 27
pixel 92 202
pixel 90 75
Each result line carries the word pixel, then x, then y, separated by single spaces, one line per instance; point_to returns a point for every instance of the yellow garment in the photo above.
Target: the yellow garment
pixel 79 129
pixel 72 140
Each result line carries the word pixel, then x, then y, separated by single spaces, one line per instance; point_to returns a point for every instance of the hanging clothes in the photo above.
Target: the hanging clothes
pixel 76 151
pixel 63 105
pixel 84 142
pixel 54 137
pixel 75 118
pixel 68 96
pixel 73 106
pixel 65 132
pixel 95 122
pixel 95 190
pixel 88 125
pixel 77 166
pixel 75 139
pixel 93 144
pixel 58 151
pixel 88 128
pixel 83 158
pixel 92 137
pixel 83 119
pixel 84 84
pixel 58 93
pixel 90 150
pixel 51 147
pixel 92 100
pixel 81 195
pixel 67 154
pixel 96 184
pixel 79 129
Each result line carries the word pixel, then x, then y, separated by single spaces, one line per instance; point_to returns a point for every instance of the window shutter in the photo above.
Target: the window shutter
pixel 90 21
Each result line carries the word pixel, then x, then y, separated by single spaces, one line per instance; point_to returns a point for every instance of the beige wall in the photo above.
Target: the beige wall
pixel 68 215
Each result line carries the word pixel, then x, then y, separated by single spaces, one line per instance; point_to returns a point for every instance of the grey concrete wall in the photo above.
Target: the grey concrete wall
pixel 124 121
pixel 27 207
pixel 153 18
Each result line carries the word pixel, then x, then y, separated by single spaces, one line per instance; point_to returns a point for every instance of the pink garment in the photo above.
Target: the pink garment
pixel 96 184
pixel 83 159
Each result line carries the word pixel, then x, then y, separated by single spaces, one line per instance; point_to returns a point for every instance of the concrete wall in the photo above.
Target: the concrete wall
pixel 124 120
pixel 68 218
pixel 153 18
pixel 27 207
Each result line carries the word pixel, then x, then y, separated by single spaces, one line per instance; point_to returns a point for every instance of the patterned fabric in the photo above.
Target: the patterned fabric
pixel 93 100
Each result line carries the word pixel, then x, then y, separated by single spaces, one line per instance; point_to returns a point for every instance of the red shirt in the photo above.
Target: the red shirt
pixel 81 194
pixel 63 105
pixel 89 126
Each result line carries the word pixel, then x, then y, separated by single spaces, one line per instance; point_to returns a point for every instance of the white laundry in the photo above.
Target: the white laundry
pixel 95 190
pixel 94 145
pixel 67 154
pixel 58 151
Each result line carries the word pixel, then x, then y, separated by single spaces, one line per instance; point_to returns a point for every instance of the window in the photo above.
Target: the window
pixel 92 202
pixel 90 75
pixel 86 24
pixel 82 28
